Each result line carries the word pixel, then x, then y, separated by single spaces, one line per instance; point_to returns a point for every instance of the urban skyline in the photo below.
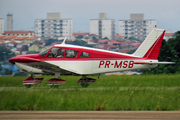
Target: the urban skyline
pixel 166 13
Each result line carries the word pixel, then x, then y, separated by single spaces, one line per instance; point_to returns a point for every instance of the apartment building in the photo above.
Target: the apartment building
pixel 1 26
pixel 103 27
pixel 54 27
pixel 137 26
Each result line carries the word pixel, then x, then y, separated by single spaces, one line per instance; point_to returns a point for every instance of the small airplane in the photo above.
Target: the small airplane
pixel 64 59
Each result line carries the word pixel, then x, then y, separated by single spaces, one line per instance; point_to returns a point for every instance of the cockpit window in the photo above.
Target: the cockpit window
pixel 56 52
pixel 44 52
pixel 71 53
pixel 84 54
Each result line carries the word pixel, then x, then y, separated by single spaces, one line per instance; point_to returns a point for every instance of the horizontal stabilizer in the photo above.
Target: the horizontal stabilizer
pixel 154 63
pixel 166 62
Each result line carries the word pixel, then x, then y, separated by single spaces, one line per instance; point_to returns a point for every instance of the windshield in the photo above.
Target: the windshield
pixel 44 52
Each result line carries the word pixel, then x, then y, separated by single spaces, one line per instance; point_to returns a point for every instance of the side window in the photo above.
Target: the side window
pixel 60 52
pixel 71 53
pixel 56 52
pixel 84 54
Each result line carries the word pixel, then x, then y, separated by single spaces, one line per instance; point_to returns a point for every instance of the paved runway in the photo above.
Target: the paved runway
pixel 148 115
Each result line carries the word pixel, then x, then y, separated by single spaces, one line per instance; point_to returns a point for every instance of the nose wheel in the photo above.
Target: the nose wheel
pixel 85 82
pixel 30 81
pixel 28 85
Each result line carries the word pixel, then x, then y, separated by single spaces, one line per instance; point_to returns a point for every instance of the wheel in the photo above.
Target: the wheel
pixel 84 85
pixel 28 85
pixel 84 82
pixel 54 86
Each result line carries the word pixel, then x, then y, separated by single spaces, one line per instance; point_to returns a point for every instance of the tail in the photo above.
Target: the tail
pixel 151 46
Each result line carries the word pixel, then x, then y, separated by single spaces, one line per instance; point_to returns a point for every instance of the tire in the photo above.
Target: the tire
pixel 84 85
pixel 54 86
pixel 28 85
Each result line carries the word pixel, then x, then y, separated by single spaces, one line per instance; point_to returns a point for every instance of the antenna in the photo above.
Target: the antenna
pixel 64 41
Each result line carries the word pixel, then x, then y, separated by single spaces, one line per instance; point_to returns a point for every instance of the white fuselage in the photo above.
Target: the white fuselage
pixel 92 66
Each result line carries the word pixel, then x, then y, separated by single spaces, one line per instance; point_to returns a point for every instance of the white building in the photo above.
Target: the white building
pixel 103 27
pixel 1 26
pixel 136 27
pixel 53 27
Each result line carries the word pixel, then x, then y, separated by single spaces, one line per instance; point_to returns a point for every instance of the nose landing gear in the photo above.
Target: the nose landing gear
pixel 85 82
pixel 30 81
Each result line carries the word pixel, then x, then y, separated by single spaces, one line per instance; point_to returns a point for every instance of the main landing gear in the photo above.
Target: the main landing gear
pixel 55 82
pixel 30 81
pixel 85 82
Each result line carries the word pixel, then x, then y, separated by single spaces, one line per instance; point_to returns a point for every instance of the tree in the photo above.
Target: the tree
pixel 133 38
pixel 79 42
pixel 131 51
pixel 8 72
pixel 25 48
pixel 79 37
pixel 0 67
pixel 37 42
pixel 176 34
pixel 95 39
pixel 32 52
pixel 105 38
pixel 50 41
pixel 5 54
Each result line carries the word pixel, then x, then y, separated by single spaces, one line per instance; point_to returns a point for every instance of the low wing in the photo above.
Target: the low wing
pixel 49 68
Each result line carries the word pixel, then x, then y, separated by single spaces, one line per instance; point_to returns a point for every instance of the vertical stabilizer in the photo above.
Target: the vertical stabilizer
pixel 151 46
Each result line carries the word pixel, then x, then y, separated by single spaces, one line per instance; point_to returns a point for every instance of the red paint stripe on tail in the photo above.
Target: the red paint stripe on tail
pixel 153 52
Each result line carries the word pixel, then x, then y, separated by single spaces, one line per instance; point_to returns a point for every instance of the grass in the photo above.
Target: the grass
pixel 164 94
pixel 104 81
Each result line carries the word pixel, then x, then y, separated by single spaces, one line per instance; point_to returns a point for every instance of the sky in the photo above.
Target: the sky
pixel 165 12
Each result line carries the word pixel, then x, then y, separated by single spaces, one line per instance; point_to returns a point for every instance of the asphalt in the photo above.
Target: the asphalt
pixel 46 115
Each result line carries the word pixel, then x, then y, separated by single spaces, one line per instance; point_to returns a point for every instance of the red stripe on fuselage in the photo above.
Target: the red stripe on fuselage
pixel 95 54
